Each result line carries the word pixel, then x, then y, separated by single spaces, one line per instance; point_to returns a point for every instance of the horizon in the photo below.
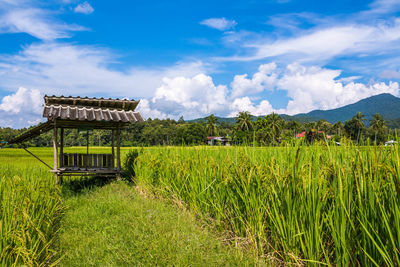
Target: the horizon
pixel 293 117
pixel 198 58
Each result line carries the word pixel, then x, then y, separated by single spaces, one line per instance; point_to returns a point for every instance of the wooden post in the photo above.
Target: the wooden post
pixel 87 141
pixel 118 152
pixel 61 147
pixel 112 148
pixel 55 153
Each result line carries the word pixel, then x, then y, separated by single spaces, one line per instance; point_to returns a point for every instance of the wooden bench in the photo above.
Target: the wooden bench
pixel 73 161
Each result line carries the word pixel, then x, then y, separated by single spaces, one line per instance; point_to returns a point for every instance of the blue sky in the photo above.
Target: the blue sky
pixel 194 58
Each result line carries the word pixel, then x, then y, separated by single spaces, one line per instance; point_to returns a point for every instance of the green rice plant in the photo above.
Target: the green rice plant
pixel 314 205
pixel 30 207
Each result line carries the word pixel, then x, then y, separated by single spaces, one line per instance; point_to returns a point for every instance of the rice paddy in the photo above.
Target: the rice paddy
pixel 305 205
pixel 30 208
pixel 321 205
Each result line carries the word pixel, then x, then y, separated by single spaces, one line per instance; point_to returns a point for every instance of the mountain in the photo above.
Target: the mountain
pixel 227 120
pixel 386 105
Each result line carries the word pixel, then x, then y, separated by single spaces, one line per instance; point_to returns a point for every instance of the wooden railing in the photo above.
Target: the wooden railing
pixel 98 161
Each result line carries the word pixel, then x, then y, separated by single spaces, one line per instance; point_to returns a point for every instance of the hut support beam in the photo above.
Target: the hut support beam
pixel 55 153
pixel 118 152
pixel 112 147
pixel 36 157
pixel 61 147
pixel 87 142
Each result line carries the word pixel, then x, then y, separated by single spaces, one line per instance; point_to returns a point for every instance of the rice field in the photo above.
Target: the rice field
pixel 307 205
pixel 30 208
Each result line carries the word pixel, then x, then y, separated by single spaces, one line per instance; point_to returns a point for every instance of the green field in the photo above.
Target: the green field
pixel 305 204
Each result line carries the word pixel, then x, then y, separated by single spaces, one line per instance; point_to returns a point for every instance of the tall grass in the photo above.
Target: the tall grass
pixel 30 207
pixel 304 204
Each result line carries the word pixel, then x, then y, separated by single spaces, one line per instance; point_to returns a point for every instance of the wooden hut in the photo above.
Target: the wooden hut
pixel 84 114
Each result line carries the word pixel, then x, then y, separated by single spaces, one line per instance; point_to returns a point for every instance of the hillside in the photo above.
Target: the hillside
pixel 385 104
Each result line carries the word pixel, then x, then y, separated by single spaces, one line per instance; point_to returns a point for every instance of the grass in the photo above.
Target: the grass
pixel 115 226
pixel 315 205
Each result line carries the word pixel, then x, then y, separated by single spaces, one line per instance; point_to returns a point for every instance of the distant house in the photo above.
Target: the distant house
pixel 218 140
pixel 303 134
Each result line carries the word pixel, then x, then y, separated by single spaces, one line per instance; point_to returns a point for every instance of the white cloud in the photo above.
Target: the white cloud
pixel 23 100
pixel 84 70
pixel 293 22
pixel 194 96
pixel 84 8
pixel 349 79
pixel 319 45
pixel 245 104
pixel 221 24
pixel 21 107
pixel 237 38
pixel 198 97
pixel 317 88
pixel 262 80
pixel 7 3
pixel 383 7
pixel 147 112
pixel 358 35
pixel 35 22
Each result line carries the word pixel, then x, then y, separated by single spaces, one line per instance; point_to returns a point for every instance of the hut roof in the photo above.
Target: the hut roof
pixel 52 112
pixel 90 109
pixel 103 103
pixel 73 112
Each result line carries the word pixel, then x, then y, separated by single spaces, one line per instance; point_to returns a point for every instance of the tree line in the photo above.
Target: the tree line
pixel 247 129
pixel 273 129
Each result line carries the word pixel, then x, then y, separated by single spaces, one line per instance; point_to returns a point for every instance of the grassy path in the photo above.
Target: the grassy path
pixel 113 225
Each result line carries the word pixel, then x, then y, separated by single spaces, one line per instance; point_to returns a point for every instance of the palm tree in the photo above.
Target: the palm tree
pixel 243 121
pixel 324 125
pixel 359 123
pixel 310 126
pixel 378 124
pixel 211 125
pixel 259 124
pixel 338 127
pixel 274 122
pixel 294 127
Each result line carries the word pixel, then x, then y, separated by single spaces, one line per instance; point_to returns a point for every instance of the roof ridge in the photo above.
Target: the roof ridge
pixel 113 104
